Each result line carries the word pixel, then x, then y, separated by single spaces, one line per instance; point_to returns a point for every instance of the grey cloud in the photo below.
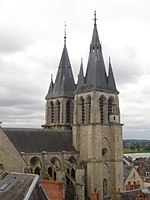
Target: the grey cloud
pixel 135 108
pixel 13 40
pixel 127 65
pixel 13 115
pixel 22 96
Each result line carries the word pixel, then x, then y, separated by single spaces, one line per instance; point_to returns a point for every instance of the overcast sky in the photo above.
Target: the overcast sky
pixel 31 43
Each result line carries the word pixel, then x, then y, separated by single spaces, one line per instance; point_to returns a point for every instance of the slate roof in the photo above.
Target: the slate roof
pixel 111 79
pixel 126 171
pixel 80 82
pixel 131 194
pixel 50 90
pixel 38 140
pixel 64 85
pixel 96 73
pixel 20 186
pixel 96 77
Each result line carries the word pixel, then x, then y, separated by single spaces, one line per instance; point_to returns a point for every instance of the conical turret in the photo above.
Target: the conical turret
pixel 80 82
pixel 50 91
pixel 111 80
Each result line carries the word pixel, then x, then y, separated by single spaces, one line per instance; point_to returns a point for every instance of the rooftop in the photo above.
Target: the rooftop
pixel 29 140
pixel 18 186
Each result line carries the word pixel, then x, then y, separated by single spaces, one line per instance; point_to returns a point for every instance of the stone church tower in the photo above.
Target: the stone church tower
pixel 59 105
pixel 81 140
pixel 97 132
pixel 90 110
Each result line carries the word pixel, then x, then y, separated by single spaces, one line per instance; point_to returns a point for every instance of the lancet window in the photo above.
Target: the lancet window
pixel 110 108
pixel 68 111
pixel 52 111
pixel 88 109
pixel 58 111
pixel 101 106
pixel 82 111
pixel 105 187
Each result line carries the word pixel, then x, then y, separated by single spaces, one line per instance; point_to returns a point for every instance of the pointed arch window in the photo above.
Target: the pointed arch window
pixel 58 111
pixel 68 111
pixel 105 187
pixel 88 109
pixel 110 108
pixel 52 111
pixel 73 173
pixel 67 181
pixel 50 171
pixel 82 111
pixel 101 106
pixel 55 176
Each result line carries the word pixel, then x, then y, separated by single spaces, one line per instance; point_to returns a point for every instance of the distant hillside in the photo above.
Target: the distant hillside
pixel 136 141
pixel 136 146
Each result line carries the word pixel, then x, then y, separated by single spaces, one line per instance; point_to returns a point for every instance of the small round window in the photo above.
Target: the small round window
pixel 104 152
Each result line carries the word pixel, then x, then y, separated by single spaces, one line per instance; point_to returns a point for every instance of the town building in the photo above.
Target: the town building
pixel 132 179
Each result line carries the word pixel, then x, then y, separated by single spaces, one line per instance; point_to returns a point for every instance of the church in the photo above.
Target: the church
pixel 80 142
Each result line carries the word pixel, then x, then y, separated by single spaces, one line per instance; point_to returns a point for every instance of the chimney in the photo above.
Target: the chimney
pixel 94 195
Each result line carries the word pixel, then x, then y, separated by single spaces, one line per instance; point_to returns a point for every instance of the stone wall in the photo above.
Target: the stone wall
pixel 9 156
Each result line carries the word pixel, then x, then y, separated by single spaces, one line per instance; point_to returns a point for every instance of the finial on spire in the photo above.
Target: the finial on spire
pixel 51 78
pixel 95 19
pixel 109 60
pixel 65 33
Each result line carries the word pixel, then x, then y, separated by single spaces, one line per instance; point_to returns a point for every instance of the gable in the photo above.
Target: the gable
pixel 133 176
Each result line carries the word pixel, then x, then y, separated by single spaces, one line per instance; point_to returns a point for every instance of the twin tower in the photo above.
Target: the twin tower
pixel 90 109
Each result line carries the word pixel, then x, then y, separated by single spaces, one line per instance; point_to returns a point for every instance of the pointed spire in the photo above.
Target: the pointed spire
pixel 80 82
pixel 96 77
pixel 51 78
pixel 50 91
pixel 111 79
pixel 64 84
